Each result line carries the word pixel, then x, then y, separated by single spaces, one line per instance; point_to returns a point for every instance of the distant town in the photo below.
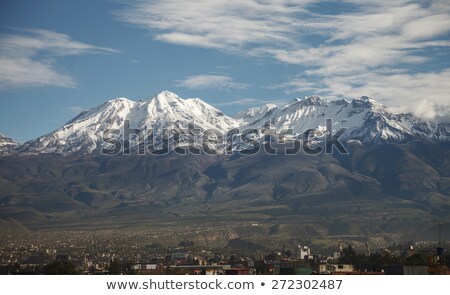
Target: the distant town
pixel 112 253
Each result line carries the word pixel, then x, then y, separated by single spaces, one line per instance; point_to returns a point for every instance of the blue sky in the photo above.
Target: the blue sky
pixel 60 57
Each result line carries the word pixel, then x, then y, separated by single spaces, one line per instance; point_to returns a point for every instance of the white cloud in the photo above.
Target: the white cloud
pixel 29 59
pixel 427 27
pixel 376 43
pixel 224 24
pixel 24 72
pixel 424 94
pixel 210 81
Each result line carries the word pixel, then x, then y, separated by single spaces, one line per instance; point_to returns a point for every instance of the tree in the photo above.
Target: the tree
pixel 348 255
pixel 417 259
pixel 60 268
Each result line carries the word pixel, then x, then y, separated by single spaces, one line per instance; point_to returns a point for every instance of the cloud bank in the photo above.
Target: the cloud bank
pixel 391 50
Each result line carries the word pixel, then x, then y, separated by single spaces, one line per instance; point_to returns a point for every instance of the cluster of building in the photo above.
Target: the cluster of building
pixel 113 255
pixel 301 262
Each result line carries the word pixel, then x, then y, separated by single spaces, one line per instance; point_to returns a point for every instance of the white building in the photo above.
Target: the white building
pixel 304 253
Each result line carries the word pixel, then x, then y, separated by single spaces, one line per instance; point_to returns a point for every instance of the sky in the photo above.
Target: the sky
pixel 58 57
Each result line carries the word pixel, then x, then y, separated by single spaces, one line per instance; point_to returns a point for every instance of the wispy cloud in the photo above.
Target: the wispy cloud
pixel 375 47
pixel 221 24
pixel 210 81
pixel 29 58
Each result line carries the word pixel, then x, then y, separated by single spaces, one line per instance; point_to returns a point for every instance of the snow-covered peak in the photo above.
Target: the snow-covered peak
pixel 7 145
pixel 6 141
pixel 366 102
pixel 165 98
pixel 165 94
pixel 310 100
pixel 83 134
pixel 364 118
pixel 107 111
pixel 167 108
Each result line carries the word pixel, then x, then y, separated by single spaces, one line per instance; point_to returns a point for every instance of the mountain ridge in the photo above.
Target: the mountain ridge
pixel 364 119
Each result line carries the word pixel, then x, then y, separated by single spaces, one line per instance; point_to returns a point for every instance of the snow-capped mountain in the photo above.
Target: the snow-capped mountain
pixel 7 145
pixel 83 134
pixel 365 120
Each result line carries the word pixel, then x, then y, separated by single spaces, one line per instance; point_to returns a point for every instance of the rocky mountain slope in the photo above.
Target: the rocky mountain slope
pixel 394 182
pixel 389 189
